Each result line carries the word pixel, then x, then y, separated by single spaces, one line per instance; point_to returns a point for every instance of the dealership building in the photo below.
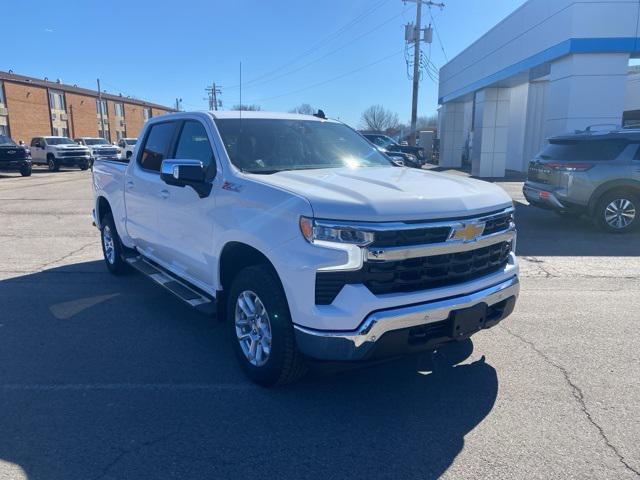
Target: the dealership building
pixel 31 107
pixel 551 67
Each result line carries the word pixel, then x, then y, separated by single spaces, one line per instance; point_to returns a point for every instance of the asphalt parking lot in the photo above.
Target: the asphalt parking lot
pixel 111 378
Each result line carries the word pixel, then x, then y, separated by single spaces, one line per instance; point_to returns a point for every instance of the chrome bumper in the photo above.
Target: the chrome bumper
pixel 359 344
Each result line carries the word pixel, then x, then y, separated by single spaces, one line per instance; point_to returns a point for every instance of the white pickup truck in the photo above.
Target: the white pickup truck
pixel 305 239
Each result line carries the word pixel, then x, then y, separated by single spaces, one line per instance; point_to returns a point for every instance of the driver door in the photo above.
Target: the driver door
pixel 185 221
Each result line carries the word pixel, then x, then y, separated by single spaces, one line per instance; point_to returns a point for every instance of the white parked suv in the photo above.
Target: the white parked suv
pixel 59 152
pixel 126 146
pixel 100 148
pixel 305 239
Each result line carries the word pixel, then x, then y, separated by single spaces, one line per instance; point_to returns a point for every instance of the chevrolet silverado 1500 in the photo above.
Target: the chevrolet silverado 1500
pixel 305 239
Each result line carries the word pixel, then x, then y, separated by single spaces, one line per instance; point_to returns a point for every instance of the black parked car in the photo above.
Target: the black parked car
pixel 14 157
pixel 390 145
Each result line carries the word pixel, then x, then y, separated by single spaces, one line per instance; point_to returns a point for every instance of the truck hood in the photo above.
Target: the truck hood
pixel 389 194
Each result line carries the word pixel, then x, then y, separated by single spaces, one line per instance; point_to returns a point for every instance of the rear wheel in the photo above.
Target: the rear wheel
pixel 26 171
pixel 84 166
pixel 112 247
pixel 617 212
pixel 260 328
pixel 52 163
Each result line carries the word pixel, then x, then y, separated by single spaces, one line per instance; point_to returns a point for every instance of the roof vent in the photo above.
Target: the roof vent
pixel 58 80
pixel 10 71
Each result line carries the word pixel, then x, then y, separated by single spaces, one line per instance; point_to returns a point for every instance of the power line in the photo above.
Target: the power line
pixel 316 45
pixel 435 29
pixel 318 84
pixel 328 54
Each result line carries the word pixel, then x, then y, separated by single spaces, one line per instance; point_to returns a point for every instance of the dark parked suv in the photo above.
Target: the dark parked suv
pixel 13 157
pixel 592 173
pixel 390 145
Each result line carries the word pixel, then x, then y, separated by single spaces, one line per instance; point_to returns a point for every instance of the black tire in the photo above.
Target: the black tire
pixel 603 211
pixel 115 262
pixel 284 363
pixel 84 166
pixel 26 171
pixel 129 155
pixel 52 163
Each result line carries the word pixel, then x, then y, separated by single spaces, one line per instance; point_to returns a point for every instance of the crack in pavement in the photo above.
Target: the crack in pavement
pixel 578 395
pixel 64 257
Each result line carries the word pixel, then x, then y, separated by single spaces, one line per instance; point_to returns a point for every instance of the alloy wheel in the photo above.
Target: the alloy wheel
pixel 620 213
pixel 253 328
pixel 109 247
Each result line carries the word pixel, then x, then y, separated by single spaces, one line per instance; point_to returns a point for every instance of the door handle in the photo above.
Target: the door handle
pixel 164 194
pixel 130 184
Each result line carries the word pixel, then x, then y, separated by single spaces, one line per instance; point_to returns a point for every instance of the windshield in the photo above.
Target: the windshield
pixel 96 141
pixel 268 146
pixel 381 140
pixel 59 141
pixel 130 141
pixel 4 140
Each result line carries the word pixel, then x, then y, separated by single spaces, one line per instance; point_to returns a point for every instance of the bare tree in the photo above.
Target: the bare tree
pixel 248 108
pixel 303 108
pixel 378 118
pixel 427 123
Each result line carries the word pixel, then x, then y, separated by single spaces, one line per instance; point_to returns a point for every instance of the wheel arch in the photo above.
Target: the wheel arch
pixel 238 255
pixel 613 185
pixel 102 208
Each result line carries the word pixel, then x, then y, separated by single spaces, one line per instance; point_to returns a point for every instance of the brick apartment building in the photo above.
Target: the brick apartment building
pixel 32 107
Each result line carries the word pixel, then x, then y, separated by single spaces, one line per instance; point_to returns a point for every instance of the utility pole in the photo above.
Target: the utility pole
pixel 101 109
pixel 178 102
pixel 213 92
pixel 415 37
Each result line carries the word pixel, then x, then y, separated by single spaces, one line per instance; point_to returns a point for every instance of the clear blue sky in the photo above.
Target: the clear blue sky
pixel 160 50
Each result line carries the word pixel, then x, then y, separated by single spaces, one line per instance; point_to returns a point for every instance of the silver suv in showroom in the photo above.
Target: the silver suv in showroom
pixel 592 173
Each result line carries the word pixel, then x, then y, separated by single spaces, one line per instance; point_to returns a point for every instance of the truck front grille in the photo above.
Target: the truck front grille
pixel 73 153
pixel 415 274
pixel 417 236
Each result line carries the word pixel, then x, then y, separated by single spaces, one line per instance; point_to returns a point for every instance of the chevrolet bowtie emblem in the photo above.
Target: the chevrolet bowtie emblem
pixel 467 232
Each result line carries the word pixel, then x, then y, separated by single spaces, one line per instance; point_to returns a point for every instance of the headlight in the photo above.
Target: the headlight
pixel 316 230
pixel 410 157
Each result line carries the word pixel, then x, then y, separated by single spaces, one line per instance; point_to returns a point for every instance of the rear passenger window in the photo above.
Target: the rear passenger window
pixel 193 143
pixel 156 145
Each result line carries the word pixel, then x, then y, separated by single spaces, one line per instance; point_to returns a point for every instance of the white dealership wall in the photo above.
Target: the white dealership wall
pixel 550 67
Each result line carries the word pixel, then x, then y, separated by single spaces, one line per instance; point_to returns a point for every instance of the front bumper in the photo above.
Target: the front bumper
pixel 407 329
pixel 73 161
pixel 15 164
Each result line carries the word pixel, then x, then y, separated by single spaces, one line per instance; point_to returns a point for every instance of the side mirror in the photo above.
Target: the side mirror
pixel 181 173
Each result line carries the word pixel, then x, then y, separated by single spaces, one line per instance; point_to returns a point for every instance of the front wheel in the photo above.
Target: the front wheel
pixel 260 328
pixel 26 171
pixel 84 166
pixel 617 212
pixel 53 165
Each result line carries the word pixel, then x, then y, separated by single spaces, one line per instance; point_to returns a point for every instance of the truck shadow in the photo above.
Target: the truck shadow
pixel 104 377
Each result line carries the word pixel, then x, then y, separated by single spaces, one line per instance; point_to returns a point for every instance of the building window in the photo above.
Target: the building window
pixel 101 107
pixel 56 100
pixel 1 92
pixel 119 109
pixel 146 113
pixel 4 130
